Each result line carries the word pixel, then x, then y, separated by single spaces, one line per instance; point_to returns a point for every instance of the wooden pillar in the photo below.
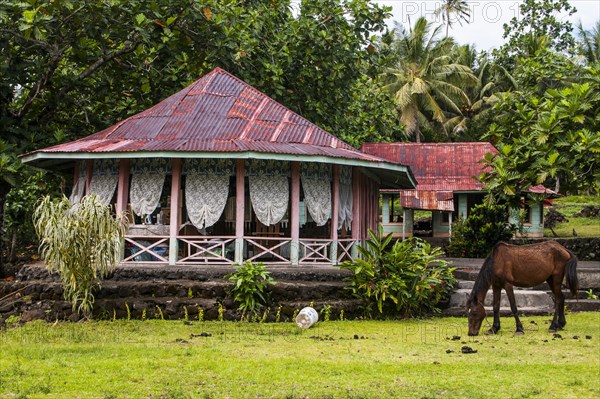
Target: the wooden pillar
pixel 295 215
pixel 356 210
pixel 335 210
pixel 123 187
pixel 175 205
pixel 240 196
pixel 449 226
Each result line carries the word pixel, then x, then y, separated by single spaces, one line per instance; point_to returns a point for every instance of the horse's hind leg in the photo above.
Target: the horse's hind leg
pixel 496 305
pixel 513 307
pixel 558 321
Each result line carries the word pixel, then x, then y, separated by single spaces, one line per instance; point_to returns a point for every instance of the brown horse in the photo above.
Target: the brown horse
pixel 522 266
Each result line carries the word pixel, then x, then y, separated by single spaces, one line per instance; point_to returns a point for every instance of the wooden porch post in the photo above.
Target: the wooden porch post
pixel 240 196
pixel 123 187
pixel 295 215
pixel 175 200
pixel 356 210
pixel 334 214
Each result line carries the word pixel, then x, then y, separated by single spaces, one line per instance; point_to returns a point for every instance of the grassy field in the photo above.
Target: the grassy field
pixel 334 359
pixel 568 206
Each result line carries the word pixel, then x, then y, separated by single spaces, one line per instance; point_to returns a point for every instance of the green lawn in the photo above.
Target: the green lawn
pixel 336 359
pixel 568 206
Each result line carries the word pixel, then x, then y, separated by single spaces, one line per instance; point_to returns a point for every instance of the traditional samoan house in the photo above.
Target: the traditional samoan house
pixel 446 185
pixel 219 173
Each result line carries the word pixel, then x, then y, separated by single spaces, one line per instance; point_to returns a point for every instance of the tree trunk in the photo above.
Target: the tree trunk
pixel 3 193
pixel 12 252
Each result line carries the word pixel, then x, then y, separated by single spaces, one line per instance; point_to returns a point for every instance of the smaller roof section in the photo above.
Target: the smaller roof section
pixel 438 166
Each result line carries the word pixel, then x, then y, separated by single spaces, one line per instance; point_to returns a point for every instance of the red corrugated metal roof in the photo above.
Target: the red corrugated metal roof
pixel 437 166
pixel 427 200
pixel 217 113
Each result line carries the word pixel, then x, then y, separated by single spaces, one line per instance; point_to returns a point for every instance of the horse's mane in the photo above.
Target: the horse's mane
pixel 484 278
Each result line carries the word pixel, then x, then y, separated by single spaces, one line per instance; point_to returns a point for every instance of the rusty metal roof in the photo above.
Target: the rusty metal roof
pixel 427 200
pixel 217 113
pixel 220 113
pixel 437 166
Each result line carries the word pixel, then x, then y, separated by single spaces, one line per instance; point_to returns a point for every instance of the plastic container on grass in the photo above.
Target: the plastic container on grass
pixel 307 317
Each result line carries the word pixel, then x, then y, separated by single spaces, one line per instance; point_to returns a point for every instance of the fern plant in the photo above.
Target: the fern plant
pixel 249 284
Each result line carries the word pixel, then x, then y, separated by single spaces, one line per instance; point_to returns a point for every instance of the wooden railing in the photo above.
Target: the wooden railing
pixel 314 251
pixel 220 250
pixel 344 251
pixel 144 249
pixel 268 250
pixel 207 250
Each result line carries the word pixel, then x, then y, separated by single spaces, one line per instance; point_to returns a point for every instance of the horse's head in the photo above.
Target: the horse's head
pixel 475 315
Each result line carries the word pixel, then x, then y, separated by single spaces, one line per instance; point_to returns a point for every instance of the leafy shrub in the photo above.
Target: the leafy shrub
pixel 475 236
pixel 81 242
pixel 407 279
pixel 250 282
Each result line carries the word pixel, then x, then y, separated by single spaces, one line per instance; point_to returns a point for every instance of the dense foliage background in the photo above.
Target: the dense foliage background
pixel 71 68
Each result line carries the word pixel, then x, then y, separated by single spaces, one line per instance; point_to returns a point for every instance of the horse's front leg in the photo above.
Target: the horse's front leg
pixel 496 305
pixel 513 308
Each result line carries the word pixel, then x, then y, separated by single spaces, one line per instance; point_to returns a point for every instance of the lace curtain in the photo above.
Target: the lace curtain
pixel 79 188
pixel 345 209
pixel 316 183
pixel 147 181
pixel 104 179
pixel 206 189
pixel 269 189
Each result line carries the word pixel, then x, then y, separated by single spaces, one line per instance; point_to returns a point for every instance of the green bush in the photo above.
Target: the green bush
pixel 475 236
pixel 250 282
pixel 405 279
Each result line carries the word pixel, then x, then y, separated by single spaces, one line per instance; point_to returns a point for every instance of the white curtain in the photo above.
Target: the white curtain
pixel 316 183
pixel 206 190
pixel 79 188
pixel 345 209
pixel 147 181
pixel 269 196
pixel 145 193
pixel 205 198
pixel 104 179
pixel 269 189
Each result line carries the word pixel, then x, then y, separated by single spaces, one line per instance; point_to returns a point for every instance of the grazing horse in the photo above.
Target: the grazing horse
pixel 522 266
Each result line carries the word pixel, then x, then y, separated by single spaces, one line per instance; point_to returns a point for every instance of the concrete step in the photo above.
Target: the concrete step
pixel 504 311
pixel 524 298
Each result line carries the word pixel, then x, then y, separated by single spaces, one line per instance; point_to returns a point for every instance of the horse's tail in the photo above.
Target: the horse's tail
pixel 571 274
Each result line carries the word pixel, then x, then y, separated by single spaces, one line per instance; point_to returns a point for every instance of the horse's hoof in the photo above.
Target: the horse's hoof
pixel 490 332
pixel 519 333
pixel 552 330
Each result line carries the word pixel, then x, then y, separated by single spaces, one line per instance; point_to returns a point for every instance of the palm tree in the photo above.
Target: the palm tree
pixel 590 43
pixel 491 79
pixel 456 7
pixel 426 82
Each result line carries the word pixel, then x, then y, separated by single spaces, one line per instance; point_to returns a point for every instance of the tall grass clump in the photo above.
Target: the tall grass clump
pixel 82 242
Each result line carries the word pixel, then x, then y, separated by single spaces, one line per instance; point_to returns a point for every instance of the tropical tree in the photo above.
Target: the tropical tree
pixel 119 57
pixel 449 8
pixel 426 81
pixel 81 242
pixel 540 24
pixel 553 139
pixel 589 44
